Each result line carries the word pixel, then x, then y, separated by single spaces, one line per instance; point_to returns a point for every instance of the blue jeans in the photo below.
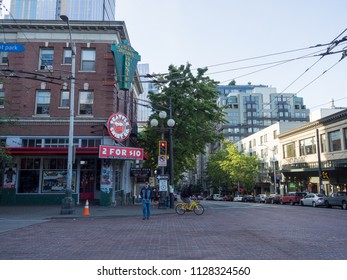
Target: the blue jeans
pixel 146 203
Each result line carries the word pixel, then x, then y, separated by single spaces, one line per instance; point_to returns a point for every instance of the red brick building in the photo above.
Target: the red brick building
pixel 34 105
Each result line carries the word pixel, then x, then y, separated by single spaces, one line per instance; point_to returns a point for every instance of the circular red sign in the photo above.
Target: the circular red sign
pixel 118 126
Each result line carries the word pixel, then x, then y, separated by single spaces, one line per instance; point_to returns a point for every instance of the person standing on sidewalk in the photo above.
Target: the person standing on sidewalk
pixel 146 195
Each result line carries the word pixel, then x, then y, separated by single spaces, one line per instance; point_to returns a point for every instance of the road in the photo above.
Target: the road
pixel 226 231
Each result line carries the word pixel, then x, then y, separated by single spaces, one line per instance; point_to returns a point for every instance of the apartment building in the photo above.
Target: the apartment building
pixel 251 108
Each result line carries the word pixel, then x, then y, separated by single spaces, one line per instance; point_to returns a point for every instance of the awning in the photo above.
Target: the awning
pixel 50 150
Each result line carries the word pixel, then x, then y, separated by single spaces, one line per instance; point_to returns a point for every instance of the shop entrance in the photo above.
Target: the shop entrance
pixel 88 178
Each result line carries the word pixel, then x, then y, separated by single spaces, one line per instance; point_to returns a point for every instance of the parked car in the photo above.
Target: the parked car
pixel 238 198
pixel 273 199
pixel 260 198
pixel 209 197
pixel 248 198
pixel 337 199
pixel 313 199
pixel 292 198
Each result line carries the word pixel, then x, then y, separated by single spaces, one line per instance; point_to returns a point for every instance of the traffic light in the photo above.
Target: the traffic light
pixel 162 148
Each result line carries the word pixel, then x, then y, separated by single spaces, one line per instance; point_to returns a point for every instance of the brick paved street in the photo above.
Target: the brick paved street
pixel 226 230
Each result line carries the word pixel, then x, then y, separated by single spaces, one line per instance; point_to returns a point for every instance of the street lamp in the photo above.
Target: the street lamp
pixel 68 202
pixel 170 124
pixel 274 166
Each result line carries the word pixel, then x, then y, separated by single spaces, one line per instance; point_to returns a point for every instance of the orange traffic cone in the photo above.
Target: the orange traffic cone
pixel 86 209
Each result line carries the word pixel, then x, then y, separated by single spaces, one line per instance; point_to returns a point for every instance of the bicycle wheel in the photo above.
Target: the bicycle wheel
pixel 198 209
pixel 180 209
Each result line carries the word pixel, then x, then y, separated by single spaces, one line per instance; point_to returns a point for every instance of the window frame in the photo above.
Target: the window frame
pixel 85 59
pixel 4 58
pixel 335 144
pixel 2 98
pixel 46 63
pixel 67 58
pixel 64 100
pixel 85 103
pixel 38 92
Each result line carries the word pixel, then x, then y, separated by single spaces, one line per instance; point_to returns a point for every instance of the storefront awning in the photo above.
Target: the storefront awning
pixel 50 150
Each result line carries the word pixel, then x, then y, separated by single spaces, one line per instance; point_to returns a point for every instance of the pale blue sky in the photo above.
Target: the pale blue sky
pixel 206 33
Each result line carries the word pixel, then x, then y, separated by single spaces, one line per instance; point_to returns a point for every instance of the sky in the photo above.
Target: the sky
pixel 229 37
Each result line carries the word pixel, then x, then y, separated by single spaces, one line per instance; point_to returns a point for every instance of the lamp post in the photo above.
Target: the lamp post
pixel 274 166
pixel 170 123
pixel 68 202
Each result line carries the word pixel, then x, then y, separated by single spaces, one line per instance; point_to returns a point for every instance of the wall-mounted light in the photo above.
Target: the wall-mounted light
pixel 85 86
pixel 43 85
pixel 65 86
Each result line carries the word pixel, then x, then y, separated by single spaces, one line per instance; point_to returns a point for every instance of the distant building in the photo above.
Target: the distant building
pixel 101 10
pixel 251 108
pixel 145 107
pixel 266 145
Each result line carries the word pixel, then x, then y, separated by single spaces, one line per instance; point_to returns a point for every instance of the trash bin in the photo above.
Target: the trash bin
pixel 105 196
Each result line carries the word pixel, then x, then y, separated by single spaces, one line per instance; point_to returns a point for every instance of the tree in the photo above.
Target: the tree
pixel 216 176
pixel 194 110
pixel 242 169
pixel 232 83
pixel 5 158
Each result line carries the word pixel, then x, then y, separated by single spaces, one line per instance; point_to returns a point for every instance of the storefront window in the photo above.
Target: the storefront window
pixel 54 176
pixel 29 175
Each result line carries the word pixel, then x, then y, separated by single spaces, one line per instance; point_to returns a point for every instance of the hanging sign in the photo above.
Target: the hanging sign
pixel 118 126
pixel 125 61
pixel 120 152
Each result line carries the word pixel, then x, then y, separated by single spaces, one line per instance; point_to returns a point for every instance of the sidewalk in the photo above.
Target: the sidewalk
pixel 44 212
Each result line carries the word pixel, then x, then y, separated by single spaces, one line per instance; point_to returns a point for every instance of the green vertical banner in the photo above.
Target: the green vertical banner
pixel 125 61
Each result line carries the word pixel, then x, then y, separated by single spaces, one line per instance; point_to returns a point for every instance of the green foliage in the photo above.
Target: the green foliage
pixel 194 111
pixel 216 176
pixel 5 158
pixel 242 169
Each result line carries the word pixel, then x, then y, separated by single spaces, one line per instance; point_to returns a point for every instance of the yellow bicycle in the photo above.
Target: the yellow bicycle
pixel 182 207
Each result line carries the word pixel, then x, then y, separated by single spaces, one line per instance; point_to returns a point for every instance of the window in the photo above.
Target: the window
pixel 4 58
pixel 31 142
pixel 43 99
pixel 88 60
pixel 67 56
pixel 323 143
pixel 46 59
pixel 64 99
pixel 334 141
pixel 54 175
pixel 85 106
pixel 29 175
pixel 2 98
pixel 289 150
pixel 345 135
pixel 307 146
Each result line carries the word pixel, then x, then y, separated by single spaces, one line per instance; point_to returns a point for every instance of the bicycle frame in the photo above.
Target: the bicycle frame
pixel 191 206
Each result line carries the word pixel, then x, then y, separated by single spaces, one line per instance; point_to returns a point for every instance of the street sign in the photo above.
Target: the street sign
pixel 162 160
pixel 162 185
pixel 11 47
